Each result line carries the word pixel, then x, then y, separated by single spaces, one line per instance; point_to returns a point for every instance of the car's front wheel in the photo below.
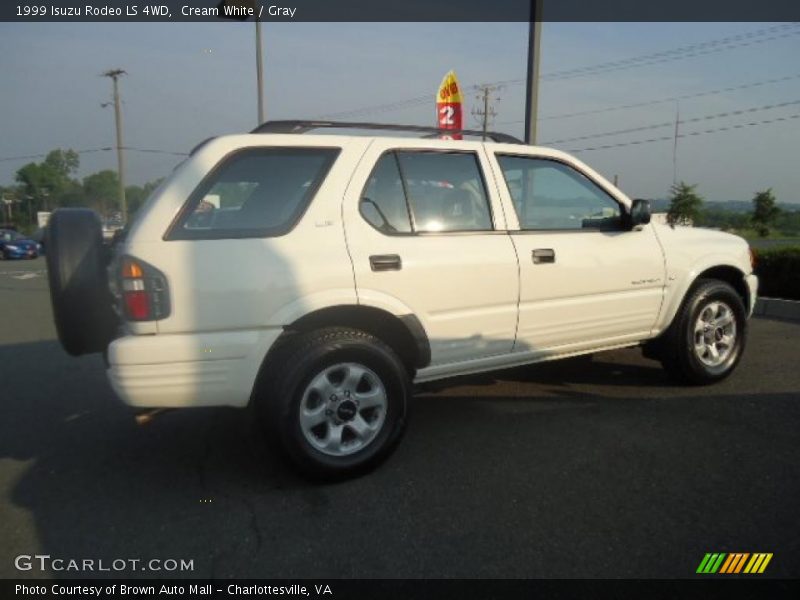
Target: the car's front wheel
pixel 707 338
pixel 334 400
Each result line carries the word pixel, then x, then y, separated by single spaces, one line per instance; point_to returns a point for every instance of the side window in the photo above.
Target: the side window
pixel 383 202
pixel 254 193
pixel 550 195
pixel 445 191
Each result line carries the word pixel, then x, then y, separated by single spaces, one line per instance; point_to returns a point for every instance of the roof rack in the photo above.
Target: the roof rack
pixel 304 126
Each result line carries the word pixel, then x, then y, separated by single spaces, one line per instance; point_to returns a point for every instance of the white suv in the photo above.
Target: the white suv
pixel 317 276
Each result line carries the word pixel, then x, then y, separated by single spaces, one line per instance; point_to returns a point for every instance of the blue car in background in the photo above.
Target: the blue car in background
pixel 16 245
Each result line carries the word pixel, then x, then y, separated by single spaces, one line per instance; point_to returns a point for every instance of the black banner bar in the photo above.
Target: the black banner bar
pixel 730 587
pixel 400 11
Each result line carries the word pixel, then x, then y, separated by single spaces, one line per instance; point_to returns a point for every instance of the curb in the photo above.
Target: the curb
pixel 777 308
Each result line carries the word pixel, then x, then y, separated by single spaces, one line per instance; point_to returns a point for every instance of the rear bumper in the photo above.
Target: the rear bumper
pixel 184 370
pixel 752 285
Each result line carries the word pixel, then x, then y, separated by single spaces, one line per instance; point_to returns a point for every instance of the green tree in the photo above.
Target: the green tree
pixel 38 182
pixel 136 195
pixel 685 205
pixel 765 211
pixel 65 162
pixel 101 191
pixel 44 184
pixel 788 222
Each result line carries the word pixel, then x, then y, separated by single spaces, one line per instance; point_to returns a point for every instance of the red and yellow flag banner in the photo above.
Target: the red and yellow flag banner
pixel 449 105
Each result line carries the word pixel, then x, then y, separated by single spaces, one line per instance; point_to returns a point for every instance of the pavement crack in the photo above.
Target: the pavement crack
pixel 205 457
pixel 254 527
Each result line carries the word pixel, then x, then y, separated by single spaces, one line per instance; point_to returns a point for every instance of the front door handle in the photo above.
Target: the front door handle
pixel 385 262
pixel 544 255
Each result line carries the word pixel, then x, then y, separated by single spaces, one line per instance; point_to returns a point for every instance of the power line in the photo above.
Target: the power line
pixel 694 50
pixel 44 154
pixel 91 150
pixel 150 150
pixel 699 49
pixel 672 123
pixel 670 138
pixel 409 102
pixel 653 102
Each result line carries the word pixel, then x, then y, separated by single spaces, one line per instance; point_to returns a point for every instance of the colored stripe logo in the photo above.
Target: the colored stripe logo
pixel 735 562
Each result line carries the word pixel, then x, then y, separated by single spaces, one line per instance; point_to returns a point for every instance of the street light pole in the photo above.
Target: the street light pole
pixel 115 74
pixel 241 10
pixel 532 97
pixel 259 72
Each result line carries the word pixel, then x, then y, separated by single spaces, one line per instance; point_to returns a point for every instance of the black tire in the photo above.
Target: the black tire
pixel 681 349
pixel 284 383
pixel 79 292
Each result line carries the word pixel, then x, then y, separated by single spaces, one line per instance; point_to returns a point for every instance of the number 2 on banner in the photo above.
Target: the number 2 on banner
pixel 446 114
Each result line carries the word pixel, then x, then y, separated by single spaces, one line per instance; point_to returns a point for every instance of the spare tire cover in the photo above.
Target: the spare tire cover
pixel 76 268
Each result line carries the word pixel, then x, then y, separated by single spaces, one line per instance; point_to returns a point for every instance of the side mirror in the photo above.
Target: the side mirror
pixel 640 213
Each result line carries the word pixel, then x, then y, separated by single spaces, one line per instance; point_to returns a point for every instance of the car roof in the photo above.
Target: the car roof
pixel 303 126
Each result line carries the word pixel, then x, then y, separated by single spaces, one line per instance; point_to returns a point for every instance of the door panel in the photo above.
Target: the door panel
pixel 599 286
pixel 426 239
pixel 585 279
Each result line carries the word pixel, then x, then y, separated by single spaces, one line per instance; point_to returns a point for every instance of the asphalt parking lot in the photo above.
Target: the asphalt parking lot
pixel 599 468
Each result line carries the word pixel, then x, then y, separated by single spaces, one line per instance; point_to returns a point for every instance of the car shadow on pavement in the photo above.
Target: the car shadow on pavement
pixel 632 371
pixel 477 472
pixel 98 484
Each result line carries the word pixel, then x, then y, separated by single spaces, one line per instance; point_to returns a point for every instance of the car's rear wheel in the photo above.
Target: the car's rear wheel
pixel 79 292
pixel 706 341
pixel 334 401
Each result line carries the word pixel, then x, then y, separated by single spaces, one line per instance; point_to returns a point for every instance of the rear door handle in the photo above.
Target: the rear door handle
pixel 385 262
pixel 543 255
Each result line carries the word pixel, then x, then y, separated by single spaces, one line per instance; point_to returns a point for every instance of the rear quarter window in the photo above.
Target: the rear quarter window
pixel 257 192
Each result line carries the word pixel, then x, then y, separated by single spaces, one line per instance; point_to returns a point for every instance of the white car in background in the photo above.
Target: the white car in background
pixel 317 277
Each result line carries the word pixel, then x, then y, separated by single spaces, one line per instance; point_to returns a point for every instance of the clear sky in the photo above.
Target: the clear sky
pixel 189 81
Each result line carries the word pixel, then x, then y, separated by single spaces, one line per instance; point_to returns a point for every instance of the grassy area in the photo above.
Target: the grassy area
pixel 751 234
pixel 775 239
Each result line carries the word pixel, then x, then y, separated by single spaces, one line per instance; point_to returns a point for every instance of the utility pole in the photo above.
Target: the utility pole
pixel 259 72
pixel 115 74
pixel 532 97
pixel 8 201
pixel 487 112
pixel 675 143
pixel 243 10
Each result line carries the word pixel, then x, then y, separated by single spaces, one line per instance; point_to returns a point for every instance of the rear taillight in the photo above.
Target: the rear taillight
pixel 145 295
